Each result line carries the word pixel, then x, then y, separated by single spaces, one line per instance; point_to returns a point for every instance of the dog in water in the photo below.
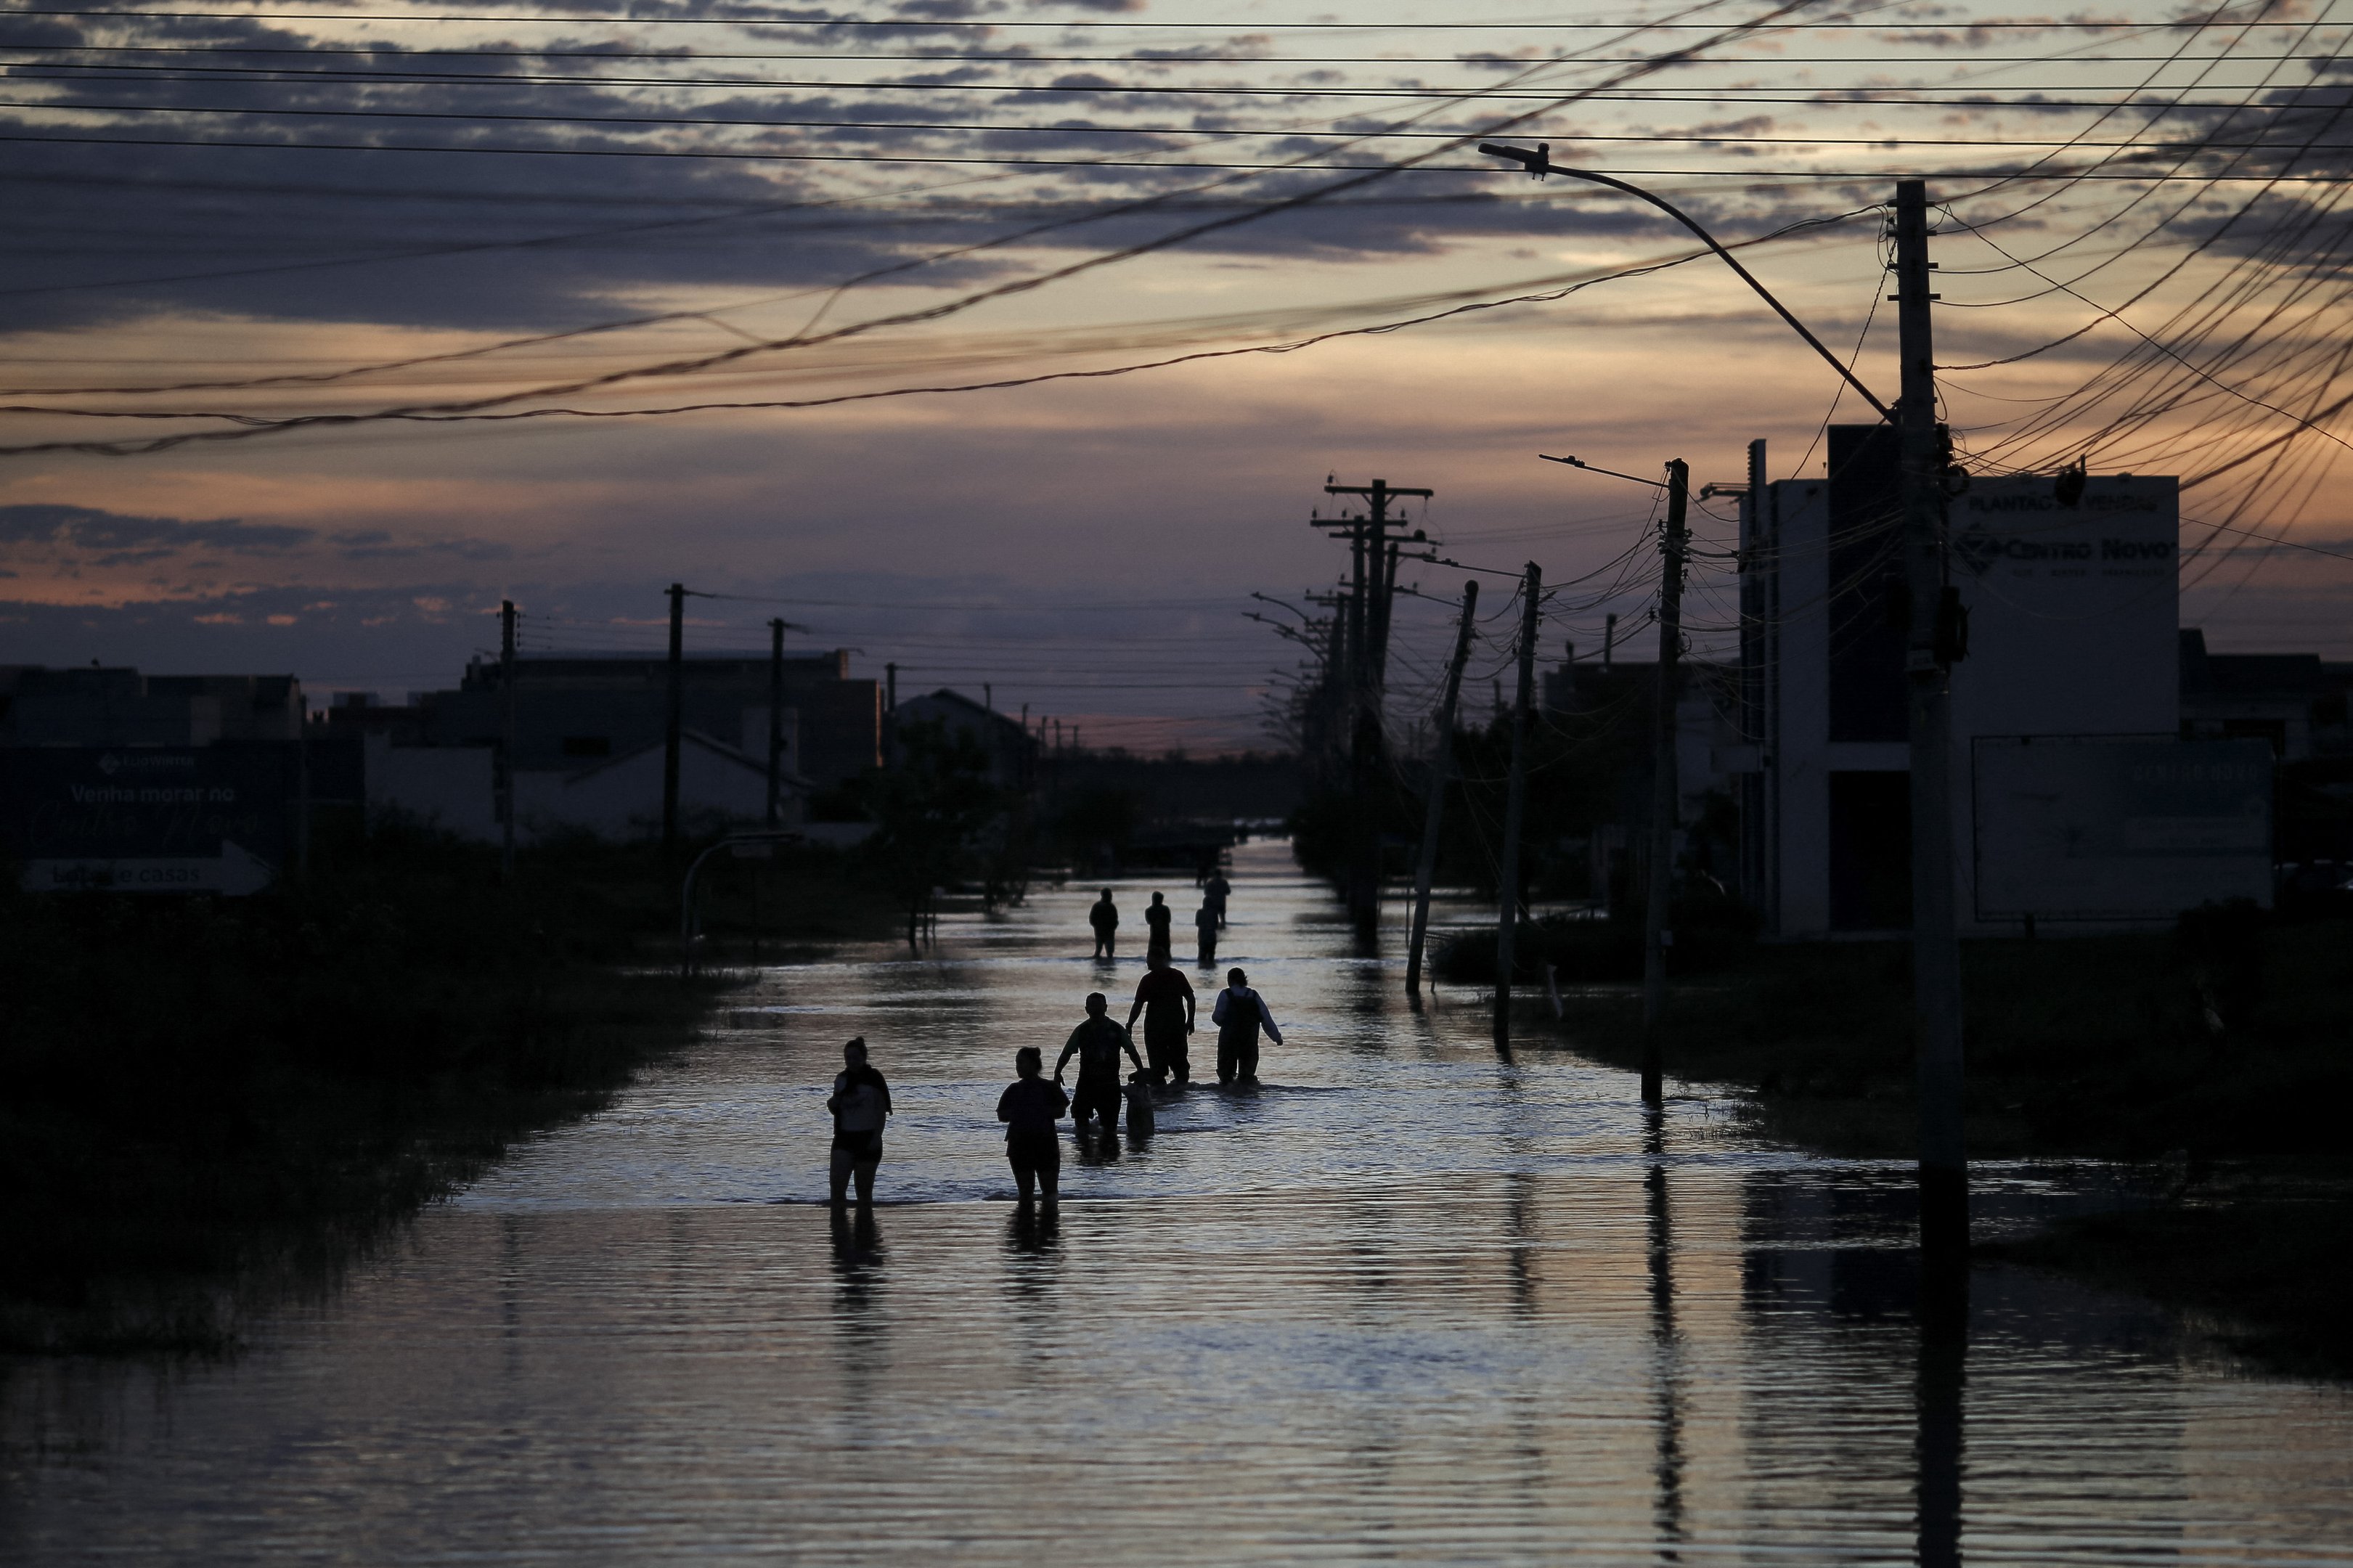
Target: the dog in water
pixel 1139 1105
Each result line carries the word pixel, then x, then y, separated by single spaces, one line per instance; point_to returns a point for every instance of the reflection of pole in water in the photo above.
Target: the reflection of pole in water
pixel 1669 1506
pixel 1944 1366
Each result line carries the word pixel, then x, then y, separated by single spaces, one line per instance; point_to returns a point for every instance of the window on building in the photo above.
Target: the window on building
pixel 588 745
pixel 1871 851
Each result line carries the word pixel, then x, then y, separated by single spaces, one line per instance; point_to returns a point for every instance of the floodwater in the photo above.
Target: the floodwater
pixel 1407 1302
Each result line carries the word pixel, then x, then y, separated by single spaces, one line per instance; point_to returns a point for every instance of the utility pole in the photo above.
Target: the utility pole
pixel 303 812
pixel 1373 571
pixel 507 740
pixel 672 716
pixel 1666 789
pixel 1609 639
pixel 1928 658
pixel 1515 800
pixel 1441 764
pixel 775 716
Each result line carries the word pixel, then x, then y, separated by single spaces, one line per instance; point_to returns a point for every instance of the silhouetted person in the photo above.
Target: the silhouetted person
pixel 1158 918
pixel 1164 997
pixel 860 1102
pixel 1097 1043
pixel 1104 918
pixel 1216 887
pixel 1239 1014
pixel 1029 1110
pixel 1205 931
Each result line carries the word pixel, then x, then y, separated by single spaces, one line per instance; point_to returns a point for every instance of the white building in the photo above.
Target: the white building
pixel 616 799
pixel 2061 806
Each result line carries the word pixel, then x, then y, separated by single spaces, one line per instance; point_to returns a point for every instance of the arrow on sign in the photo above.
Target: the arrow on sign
pixel 233 873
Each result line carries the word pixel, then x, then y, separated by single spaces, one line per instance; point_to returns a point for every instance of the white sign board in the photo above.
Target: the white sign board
pixel 2118 828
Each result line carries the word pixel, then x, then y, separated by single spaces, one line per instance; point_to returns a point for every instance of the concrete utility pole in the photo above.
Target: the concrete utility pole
pixel 1441 764
pixel 1373 575
pixel 507 739
pixel 1928 657
pixel 1609 639
pixel 775 716
pixel 1515 800
pixel 1666 788
pixel 672 716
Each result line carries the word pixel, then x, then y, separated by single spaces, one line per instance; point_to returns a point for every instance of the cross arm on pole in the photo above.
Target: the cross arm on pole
pixel 1537 161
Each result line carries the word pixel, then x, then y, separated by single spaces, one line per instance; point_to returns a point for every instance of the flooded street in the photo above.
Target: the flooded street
pixel 1406 1301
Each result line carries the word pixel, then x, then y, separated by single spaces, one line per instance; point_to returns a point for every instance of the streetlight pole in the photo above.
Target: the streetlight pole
pixel 1936 635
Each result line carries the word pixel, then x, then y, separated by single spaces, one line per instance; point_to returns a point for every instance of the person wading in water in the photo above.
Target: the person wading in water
pixel 1239 1014
pixel 860 1103
pixel 1030 1109
pixel 1216 887
pixel 1205 930
pixel 1097 1043
pixel 1104 918
pixel 1164 997
pixel 1157 919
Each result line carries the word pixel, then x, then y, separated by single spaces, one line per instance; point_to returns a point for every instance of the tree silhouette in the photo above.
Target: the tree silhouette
pixel 929 806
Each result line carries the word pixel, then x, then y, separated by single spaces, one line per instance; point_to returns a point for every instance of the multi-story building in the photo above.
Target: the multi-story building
pixel 2075 797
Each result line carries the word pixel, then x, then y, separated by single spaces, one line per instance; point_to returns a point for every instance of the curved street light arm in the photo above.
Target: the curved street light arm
pixel 1539 163
pixel 1593 469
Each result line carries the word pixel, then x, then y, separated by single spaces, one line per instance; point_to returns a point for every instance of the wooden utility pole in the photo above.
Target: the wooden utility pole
pixel 1515 800
pixel 1373 577
pixel 673 716
pixel 775 717
pixel 1441 762
pixel 1936 940
pixel 1666 788
pixel 507 739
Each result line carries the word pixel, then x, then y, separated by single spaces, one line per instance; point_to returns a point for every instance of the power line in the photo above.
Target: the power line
pixel 403 51
pixel 1749 175
pixel 1016 127
pixel 994 24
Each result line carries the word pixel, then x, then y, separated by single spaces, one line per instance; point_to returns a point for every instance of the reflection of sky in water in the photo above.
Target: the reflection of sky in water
pixel 1408 1302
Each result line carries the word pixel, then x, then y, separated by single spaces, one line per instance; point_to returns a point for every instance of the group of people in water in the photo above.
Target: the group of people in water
pixel 1159 918
pixel 1033 1104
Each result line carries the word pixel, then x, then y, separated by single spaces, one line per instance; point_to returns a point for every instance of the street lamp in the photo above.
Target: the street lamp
pixel 744 846
pixel 1934 640
pixel 1538 163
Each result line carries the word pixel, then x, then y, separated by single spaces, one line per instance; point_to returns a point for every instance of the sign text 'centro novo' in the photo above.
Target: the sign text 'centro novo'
pixel 1978 549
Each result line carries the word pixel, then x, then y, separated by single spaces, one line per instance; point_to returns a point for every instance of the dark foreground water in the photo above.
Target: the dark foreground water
pixel 1406 1303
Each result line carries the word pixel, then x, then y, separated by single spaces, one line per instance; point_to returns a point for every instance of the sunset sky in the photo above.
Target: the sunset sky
pixel 226 218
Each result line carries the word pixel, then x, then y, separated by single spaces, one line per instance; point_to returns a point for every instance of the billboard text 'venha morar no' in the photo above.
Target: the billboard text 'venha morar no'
pixel 147 820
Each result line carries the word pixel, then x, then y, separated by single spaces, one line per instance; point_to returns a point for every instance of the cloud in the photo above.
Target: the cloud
pixel 113 539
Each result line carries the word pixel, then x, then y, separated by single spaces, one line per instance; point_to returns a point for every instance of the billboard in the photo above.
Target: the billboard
pixel 2075 611
pixel 147 820
pixel 2118 828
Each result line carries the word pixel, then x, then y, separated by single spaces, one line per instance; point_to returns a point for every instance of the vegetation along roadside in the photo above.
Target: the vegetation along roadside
pixel 2221 1054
